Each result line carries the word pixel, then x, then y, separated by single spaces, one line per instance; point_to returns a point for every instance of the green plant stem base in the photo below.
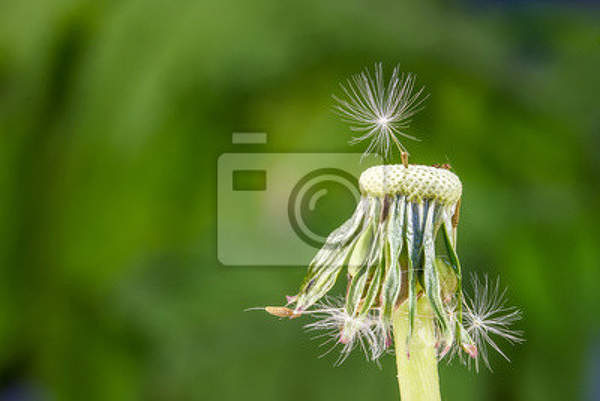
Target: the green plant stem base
pixel 416 358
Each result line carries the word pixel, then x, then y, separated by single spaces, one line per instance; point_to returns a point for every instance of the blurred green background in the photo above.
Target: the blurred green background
pixel 113 114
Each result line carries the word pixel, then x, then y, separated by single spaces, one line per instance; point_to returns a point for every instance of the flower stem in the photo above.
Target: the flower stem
pixel 416 357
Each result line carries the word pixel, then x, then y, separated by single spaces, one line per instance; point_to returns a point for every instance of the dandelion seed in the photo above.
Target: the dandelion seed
pixel 487 317
pixel 347 330
pixel 380 112
pixel 281 311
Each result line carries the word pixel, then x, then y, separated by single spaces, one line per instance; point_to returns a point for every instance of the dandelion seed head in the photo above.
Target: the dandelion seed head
pixel 378 111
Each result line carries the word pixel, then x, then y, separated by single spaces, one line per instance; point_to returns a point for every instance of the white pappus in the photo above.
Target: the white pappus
pixel 377 110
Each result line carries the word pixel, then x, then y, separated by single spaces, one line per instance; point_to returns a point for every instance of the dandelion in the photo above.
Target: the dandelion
pixel 398 251
pixel 380 112
pixel 487 317
pixel 400 286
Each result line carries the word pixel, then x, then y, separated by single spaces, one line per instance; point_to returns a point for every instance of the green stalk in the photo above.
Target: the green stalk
pixel 416 356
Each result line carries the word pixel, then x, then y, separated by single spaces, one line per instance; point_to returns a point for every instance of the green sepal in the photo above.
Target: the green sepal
pixel 361 250
pixel 431 279
pixel 392 283
pixel 412 279
pixel 341 238
pixel 455 263
pixel 322 282
pixel 448 279
pixel 375 281
pixel 357 288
